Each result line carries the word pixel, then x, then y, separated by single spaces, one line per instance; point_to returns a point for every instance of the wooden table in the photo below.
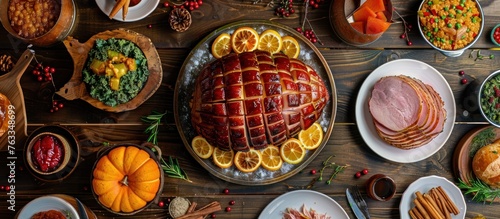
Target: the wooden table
pixel 350 66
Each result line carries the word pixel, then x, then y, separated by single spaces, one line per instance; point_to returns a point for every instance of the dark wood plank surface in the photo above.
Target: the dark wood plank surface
pixel 349 65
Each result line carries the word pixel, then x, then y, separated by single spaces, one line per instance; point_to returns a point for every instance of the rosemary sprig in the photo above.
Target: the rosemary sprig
pixel 337 169
pixel 483 138
pixel 170 167
pixel 154 121
pixel 481 191
pixel 173 169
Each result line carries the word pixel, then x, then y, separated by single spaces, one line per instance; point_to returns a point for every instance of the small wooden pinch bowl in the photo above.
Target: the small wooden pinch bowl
pixel 77 89
pixel 340 10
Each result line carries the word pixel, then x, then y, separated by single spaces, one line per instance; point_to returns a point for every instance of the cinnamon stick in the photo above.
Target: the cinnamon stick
pixel 428 207
pixel 205 210
pixel 434 205
pixel 191 207
pixel 421 209
pixel 452 207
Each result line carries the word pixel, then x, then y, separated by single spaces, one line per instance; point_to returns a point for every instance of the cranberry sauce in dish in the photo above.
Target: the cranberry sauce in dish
pixel 47 153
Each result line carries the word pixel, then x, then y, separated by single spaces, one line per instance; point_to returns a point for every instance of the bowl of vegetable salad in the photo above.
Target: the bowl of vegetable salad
pixel 450 26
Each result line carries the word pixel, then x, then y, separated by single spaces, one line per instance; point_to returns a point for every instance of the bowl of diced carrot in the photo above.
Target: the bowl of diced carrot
pixel 363 24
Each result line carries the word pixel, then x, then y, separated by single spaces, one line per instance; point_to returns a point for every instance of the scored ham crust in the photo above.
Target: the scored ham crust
pixel 406 112
pixel 254 99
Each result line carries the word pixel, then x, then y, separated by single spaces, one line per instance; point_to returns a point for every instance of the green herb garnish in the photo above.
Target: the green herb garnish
pixel 481 191
pixel 337 169
pixel 482 139
pixel 170 167
pixel 154 121
pixel 173 169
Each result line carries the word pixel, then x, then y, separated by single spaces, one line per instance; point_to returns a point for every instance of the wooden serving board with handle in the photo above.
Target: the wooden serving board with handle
pixel 10 86
pixel 76 88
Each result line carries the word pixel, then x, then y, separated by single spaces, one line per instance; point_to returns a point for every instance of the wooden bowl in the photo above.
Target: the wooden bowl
pixel 61 29
pixel 340 10
pixel 148 147
pixel 72 153
pixel 66 153
pixel 462 158
pixel 77 89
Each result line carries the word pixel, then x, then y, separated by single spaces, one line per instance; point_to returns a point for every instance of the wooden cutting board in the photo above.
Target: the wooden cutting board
pixel 10 87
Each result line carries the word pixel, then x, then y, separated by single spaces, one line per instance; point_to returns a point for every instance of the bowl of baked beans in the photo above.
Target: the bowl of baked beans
pixel 38 22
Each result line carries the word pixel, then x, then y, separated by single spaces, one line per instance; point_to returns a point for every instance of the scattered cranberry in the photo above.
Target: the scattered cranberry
pixel 403 36
pixel 2 187
pixel 7 188
pixel 161 204
pixel 461 73
pixel 232 202
pixel 212 215
pixel 169 200
pixel 166 5
pixel 357 175
pixel 226 191
pixel 313 171
pixel 56 106
pixel 150 26
pixel 464 81
pixel 364 171
pixel 409 43
pixel 228 209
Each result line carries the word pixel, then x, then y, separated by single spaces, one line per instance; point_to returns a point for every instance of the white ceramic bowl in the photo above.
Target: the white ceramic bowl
pixel 46 203
pixel 457 52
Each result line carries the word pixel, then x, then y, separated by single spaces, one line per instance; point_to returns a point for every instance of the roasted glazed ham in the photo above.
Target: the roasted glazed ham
pixel 254 99
pixel 406 112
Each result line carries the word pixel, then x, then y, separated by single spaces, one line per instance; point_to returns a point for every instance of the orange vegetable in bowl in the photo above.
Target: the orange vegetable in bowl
pixel 126 179
pixel 366 13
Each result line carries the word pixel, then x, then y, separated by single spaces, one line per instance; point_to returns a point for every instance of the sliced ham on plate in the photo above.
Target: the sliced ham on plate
pixel 406 112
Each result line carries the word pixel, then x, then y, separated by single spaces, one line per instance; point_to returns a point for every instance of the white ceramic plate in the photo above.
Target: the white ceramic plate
pixel 295 199
pixel 46 203
pixel 424 184
pixel 135 13
pixel 426 74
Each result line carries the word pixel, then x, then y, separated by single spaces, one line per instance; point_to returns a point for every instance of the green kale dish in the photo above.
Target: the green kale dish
pixel 115 72
pixel 490 99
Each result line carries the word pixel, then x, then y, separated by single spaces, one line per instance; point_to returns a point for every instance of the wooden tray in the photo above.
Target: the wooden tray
pixel 462 162
pixel 76 88
pixel 10 87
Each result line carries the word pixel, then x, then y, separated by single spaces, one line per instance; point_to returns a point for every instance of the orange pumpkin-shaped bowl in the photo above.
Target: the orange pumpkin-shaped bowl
pixel 127 178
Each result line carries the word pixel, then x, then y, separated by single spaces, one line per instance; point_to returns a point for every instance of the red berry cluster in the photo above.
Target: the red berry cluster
pixel 188 4
pixel 308 33
pixel 43 73
pixel 314 3
pixel 360 173
pixel 56 106
pixel 285 9
pixel 407 28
